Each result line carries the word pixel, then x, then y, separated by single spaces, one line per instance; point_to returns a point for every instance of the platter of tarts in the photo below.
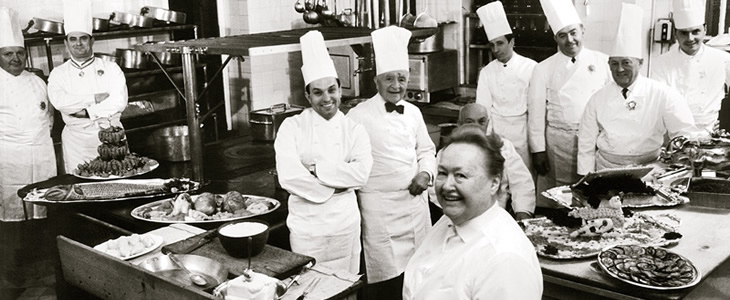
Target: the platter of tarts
pixel 649 267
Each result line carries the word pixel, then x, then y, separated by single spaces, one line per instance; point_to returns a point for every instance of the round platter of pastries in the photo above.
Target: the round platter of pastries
pixel 596 217
pixel 114 160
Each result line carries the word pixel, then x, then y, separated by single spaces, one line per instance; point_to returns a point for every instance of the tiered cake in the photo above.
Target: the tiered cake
pixel 114 157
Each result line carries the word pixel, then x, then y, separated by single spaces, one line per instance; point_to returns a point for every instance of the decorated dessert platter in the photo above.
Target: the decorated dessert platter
pixel 649 267
pixel 205 208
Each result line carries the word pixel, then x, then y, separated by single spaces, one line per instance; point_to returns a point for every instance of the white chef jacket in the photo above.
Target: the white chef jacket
pixel 559 91
pixel 700 79
pixel 609 126
pixel 517 183
pixel 394 222
pixel 323 224
pixel 70 90
pixel 502 89
pixel 26 148
pixel 487 257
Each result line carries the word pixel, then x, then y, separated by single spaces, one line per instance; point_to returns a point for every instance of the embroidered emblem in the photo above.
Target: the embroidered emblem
pixel 100 72
pixel 591 68
pixel 631 105
pixel 43 105
pixel 81 73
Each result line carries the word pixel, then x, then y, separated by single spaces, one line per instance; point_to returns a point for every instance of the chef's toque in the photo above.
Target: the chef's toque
pixel 391 49
pixel 77 16
pixel 494 20
pixel 560 13
pixel 628 41
pixel 11 35
pixel 688 13
pixel 316 61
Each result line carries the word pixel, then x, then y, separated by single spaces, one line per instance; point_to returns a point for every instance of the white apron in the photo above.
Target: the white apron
pixel 514 129
pixel 561 132
pixel 21 165
pixel 608 161
pixel 394 224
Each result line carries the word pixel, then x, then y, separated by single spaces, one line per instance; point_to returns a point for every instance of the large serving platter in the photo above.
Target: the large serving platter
pixel 104 247
pixel 649 267
pixel 162 206
pixel 150 166
pixel 563 196
pixel 554 241
pixel 176 186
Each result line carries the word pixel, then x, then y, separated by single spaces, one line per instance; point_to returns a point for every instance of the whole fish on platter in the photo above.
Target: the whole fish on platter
pixel 114 190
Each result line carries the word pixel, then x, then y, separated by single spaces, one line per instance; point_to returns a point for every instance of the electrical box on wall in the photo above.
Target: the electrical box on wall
pixel 663 31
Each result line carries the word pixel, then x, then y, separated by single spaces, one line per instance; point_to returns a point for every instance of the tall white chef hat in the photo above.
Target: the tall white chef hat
pixel 11 35
pixel 316 61
pixel 628 42
pixel 560 13
pixel 494 20
pixel 688 13
pixel 77 16
pixel 391 48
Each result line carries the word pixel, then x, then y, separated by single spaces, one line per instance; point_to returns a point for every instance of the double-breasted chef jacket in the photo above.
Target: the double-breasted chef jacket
pixel 71 89
pixel 26 148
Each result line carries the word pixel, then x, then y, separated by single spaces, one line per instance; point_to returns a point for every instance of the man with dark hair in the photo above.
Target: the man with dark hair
pixel 476 250
pixel 502 85
pixel 90 93
pixel 559 90
pixel 322 157
pixel 700 73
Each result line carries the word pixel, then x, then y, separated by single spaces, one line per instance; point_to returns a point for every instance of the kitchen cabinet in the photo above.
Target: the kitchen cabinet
pixel 530 29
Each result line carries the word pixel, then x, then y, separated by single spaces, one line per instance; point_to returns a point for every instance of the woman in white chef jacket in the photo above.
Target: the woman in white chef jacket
pixel 88 92
pixel 321 158
pixel 26 117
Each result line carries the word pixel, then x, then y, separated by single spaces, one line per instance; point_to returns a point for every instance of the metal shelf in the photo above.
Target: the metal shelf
pixel 41 37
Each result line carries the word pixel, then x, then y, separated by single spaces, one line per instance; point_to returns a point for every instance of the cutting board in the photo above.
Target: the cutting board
pixel 272 261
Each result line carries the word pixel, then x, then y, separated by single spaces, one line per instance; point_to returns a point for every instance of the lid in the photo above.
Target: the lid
pixel 278 109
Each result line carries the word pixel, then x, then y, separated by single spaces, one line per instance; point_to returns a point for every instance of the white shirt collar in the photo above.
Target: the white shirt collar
pixel 474 229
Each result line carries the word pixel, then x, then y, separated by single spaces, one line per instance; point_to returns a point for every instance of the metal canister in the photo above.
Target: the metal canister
pixel 265 122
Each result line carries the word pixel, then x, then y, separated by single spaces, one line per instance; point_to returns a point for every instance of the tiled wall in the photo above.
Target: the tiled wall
pixel 53 10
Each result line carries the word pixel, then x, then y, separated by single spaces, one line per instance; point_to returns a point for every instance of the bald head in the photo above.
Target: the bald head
pixel 474 113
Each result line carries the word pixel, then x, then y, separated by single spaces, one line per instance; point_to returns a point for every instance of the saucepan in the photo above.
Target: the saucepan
pixel 100 24
pixel 132 20
pixel 164 15
pixel 107 57
pixel 132 59
pixel 166 58
pixel 47 25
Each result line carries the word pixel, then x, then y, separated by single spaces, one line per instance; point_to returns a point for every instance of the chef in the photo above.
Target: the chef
pixel 517 190
pixel 321 158
pixel 624 122
pixel 559 90
pixel 698 72
pixel 394 202
pixel 26 117
pixel 88 92
pixel 502 85
pixel 476 250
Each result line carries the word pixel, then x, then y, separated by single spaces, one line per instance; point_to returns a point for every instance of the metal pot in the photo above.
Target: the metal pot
pixel 100 24
pixel 432 43
pixel 107 57
pixel 132 20
pixel 48 26
pixel 171 143
pixel 265 122
pixel 132 59
pixel 167 58
pixel 164 15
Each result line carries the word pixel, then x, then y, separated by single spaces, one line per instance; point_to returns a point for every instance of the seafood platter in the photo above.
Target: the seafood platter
pixel 113 190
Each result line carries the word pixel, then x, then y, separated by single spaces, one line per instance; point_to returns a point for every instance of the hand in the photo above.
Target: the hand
pixel 81 114
pixel 419 183
pixel 100 97
pixel 540 162
pixel 519 216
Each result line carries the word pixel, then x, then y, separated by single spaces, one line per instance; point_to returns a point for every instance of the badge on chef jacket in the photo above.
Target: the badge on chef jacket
pixel 43 106
pixel 100 72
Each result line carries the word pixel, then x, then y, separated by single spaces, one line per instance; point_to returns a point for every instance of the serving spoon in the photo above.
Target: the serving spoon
pixel 195 278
